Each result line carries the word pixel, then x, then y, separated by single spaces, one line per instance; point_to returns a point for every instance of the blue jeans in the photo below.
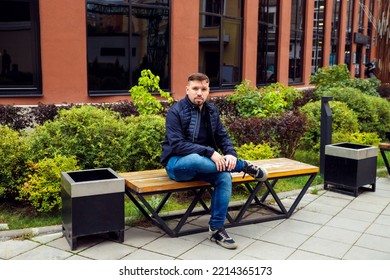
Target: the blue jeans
pixel 196 167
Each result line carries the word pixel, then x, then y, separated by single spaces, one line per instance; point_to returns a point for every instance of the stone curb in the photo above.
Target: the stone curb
pixel 9 234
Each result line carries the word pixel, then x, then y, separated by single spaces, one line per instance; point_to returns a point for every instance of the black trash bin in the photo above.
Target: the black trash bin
pixel 92 203
pixel 350 168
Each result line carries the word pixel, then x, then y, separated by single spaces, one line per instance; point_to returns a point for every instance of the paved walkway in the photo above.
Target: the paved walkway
pixel 325 226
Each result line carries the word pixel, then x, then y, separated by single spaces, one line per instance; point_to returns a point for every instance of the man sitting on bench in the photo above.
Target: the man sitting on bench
pixel 194 135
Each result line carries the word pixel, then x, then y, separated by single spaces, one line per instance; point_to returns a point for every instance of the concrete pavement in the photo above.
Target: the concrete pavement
pixel 325 226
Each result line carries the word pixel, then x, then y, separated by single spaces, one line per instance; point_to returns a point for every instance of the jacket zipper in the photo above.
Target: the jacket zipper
pixel 196 125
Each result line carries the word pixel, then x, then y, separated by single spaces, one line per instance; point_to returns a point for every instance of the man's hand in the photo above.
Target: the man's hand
pixel 230 162
pixel 224 163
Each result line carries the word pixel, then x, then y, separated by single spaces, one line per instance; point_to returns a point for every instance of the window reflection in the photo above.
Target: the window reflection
pixel 19 53
pixel 267 41
pixel 335 32
pixel 220 41
pixel 318 35
pixel 124 39
pixel 348 38
pixel 296 41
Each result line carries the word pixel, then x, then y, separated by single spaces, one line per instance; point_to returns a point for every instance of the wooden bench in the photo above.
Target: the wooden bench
pixel 385 147
pixel 141 184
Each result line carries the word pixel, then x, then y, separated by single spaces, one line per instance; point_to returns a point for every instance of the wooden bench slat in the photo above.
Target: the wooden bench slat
pixel 384 146
pixel 149 181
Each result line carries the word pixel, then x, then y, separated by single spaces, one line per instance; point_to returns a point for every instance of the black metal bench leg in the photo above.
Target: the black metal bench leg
pixel 157 219
pixel 385 160
pixel 247 203
pixel 301 194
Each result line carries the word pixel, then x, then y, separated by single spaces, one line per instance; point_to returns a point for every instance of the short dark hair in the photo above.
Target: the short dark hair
pixel 198 77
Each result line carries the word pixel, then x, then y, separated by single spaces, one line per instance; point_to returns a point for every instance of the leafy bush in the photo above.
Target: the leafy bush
pixel 365 138
pixel 254 152
pixel 226 109
pixel 145 102
pixel 384 91
pixel 383 110
pixel 265 102
pixel 373 112
pixel 15 117
pixel 146 134
pixel 339 76
pixel 248 130
pixel 96 137
pixel 330 75
pixel 283 132
pixel 246 98
pixel 288 129
pixel 42 189
pixel 12 162
pixel 366 86
pixel 344 120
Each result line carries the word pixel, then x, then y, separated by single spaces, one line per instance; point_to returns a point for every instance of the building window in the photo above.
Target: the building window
pixel 370 26
pixel 124 38
pixel 296 41
pixel 318 35
pixel 336 9
pixel 220 42
pixel 267 41
pixel 348 34
pixel 19 48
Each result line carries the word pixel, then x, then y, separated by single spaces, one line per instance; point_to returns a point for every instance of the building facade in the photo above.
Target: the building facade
pixel 92 51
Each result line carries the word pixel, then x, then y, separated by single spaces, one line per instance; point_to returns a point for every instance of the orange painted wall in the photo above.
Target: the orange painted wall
pixel 184 46
pixel 249 57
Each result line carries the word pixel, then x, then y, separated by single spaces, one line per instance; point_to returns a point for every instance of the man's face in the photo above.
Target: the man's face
pixel 198 91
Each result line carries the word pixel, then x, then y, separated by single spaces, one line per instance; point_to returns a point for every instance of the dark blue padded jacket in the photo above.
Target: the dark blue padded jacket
pixel 182 129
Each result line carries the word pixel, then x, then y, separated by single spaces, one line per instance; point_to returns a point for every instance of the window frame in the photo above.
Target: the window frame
pixel 223 86
pixel 34 89
pixel 272 28
pixel 130 47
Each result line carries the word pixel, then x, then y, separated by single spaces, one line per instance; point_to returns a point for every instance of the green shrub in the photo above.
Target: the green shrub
pixel 344 120
pixel 96 137
pixel 42 189
pixel 254 152
pixel 142 96
pixel 278 98
pixel 373 112
pixel 383 111
pixel 366 86
pixel 330 75
pixel 265 102
pixel 365 138
pixel 146 134
pixel 339 76
pixel 246 98
pixel 12 162
pixel 359 103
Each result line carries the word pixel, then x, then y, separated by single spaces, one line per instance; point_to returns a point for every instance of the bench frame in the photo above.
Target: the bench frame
pixel 198 189
pixel 385 147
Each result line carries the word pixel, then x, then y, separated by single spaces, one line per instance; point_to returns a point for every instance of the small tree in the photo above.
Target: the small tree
pixel 145 102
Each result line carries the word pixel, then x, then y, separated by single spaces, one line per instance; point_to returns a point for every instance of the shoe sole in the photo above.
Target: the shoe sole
pixel 224 245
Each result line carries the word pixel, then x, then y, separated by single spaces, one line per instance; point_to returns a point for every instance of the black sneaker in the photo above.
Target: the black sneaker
pixel 221 237
pixel 257 172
